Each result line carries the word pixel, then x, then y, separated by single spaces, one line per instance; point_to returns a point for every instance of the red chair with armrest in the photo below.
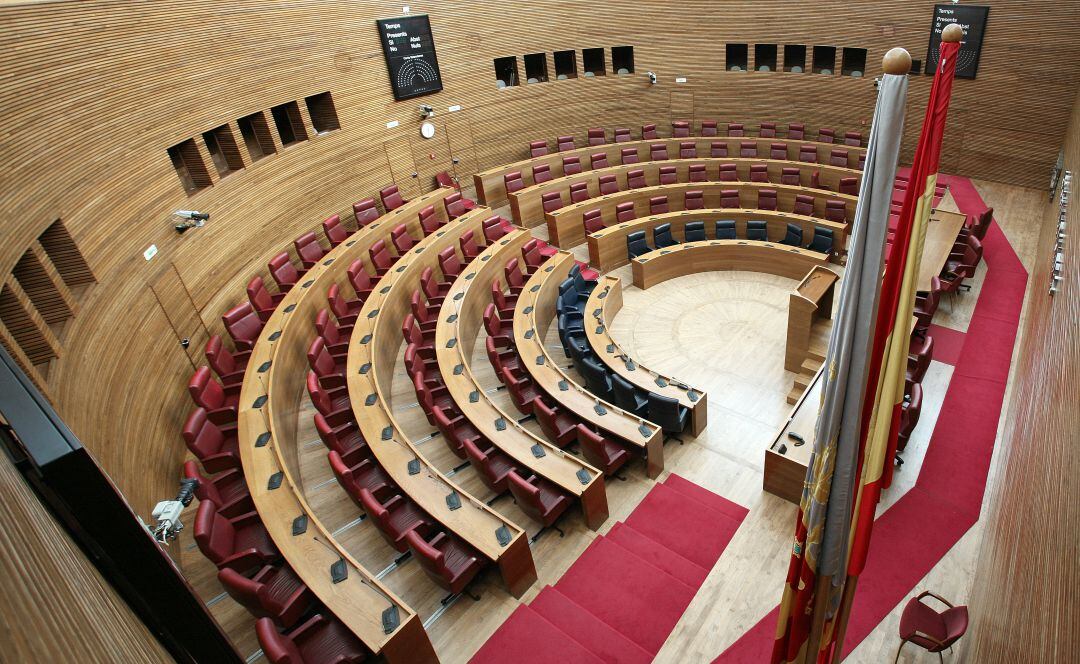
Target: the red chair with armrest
pixel 318 640
pixel 447 561
pixel 275 592
pixel 214 445
pixel 538 498
pixel 239 543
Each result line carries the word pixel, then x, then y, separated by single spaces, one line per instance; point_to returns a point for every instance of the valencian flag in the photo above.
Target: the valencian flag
pixel 855 440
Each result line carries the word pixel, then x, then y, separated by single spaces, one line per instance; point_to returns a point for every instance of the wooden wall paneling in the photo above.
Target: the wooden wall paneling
pixel 176 303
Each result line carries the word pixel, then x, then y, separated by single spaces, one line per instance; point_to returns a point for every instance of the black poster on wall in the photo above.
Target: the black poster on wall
pixel 410 55
pixel 972 18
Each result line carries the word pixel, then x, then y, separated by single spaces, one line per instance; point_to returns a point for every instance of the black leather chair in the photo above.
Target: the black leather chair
pixel 694 231
pixel 636 245
pixel 667 413
pixel 597 379
pixel 793 236
pixel 757 230
pixel 725 229
pixel 662 236
pixel 628 397
pixel 822 240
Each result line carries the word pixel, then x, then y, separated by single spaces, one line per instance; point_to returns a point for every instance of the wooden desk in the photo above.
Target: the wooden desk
pixel 373 355
pixel 607 248
pixel 603 304
pixel 812 300
pixel 526 205
pixel 491 189
pixel 532 316
pixel 660 265
pixel 566 228
pixel 460 322
pixel 269 402
pixel 941 234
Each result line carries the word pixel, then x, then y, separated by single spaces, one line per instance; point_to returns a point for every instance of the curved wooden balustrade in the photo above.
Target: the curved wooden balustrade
pixel 603 304
pixel 566 229
pixel 373 354
pixel 269 399
pixel 491 190
pixel 458 329
pixel 607 248
pixel 533 314
pixel 526 205
pixel 680 260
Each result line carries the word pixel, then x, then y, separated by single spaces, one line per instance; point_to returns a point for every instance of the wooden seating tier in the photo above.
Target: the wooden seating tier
pixel 458 329
pixel 680 260
pixel 603 304
pixel 566 228
pixel 373 354
pixel 526 205
pixel 533 314
pixel 491 190
pixel 607 248
pixel 269 407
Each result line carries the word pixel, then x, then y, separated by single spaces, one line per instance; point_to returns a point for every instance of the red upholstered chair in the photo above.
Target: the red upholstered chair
pixel 455 428
pixel 838 157
pixel 622 135
pixel 729 173
pixel 360 280
pixel 275 592
pixel 729 198
pixel 538 498
pixel 804 204
pixel 593 221
pixel 625 212
pixel 208 393
pixel 658 152
pixel 336 338
pixel 400 238
pixel 658 205
pixel 345 310
pixel 240 543
pixel 227 489
pixel 629 156
pixel 635 179
pixel 596 136
pixel 579 191
pixel 503 302
pixel 447 561
pixel 565 143
pixel 767 130
pixel 669 175
pixel 609 184
pixel 491 464
pixel 469 248
pixel 515 280
pixel 853 138
pixel 359 472
pixel 429 220
pixel 513 181
pixel 717 149
pixel 395 517
pixel 318 639
pixel 778 151
pixel 523 392
pixel 790 175
pixel 261 300
pixel 228 366
pixel 826 135
pixel 766 199
pixel 365 211
pixel 759 173
pixel 557 424
pixel 849 186
pixel 601 451
pixel 215 446
pixel 322 362
pixel 334 230
pixel 309 250
pixel 747 149
pixel 808 154
pixel 538 148
pixel 910 410
pixel 381 260
pixel 542 173
pixel 648 132
pixel 708 128
pixel 735 129
pixel 330 401
pixel 426 317
pixel 680 129
pixel 933 630
pixel 243 325
pixel 456 205
pixel 697 173
pixel 796 131
pixel 551 201
pixel 284 272
pixel 391 197
pixel 571 165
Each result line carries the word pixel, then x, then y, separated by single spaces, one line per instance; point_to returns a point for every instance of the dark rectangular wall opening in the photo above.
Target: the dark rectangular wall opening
pixel 824 60
pixel 506 71
pixel 323 114
pixel 854 62
pixel 736 55
pixel 593 60
pixel 622 59
pixel 223 150
pixel 189 166
pixel 289 123
pixel 536 68
pixel 765 57
pixel 565 65
pixel 256 134
pixel 795 58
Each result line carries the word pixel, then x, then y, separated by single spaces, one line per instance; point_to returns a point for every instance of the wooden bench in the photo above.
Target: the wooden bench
pixel 680 260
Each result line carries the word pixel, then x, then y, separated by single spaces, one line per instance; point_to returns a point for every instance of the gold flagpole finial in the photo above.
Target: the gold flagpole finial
pixel 897 61
pixel 952 33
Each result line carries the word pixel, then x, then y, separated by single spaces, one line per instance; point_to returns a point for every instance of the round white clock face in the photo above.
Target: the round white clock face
pixel 427 130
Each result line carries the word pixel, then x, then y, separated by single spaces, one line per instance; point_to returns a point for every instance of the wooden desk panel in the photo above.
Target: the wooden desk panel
pixel 566 229
pixel 660 265
pixel 532 316
pixel 491 190
pixel 607 248
pixel 941 234
pixel 603 304
pixel 526 205
pixel 460 321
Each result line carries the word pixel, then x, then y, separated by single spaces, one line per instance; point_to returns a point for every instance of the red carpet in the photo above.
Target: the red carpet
pixel 622 597
pixel 912 535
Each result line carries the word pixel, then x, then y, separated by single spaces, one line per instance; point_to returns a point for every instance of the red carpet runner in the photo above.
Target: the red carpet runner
pixel 912 535
pixel 619 601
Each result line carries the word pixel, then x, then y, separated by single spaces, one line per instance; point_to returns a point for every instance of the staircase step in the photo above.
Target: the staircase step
pixel 708 498
pixel 528 638
pixel 594 634
pixel 658 555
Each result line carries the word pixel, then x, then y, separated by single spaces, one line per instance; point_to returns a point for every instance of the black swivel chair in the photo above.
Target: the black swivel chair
pixel 694 231
pixel 636 245
pixel 725 229
pixel 822 241
pixel 662 236
pixel 793 236
pixel 757 230
pixel 668 414
pixel 597 379
pixel 628 397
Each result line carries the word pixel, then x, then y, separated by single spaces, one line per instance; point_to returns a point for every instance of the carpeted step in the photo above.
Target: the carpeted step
pixel 622 589
pixel 658 555
pixel 684 525
pixel 594 634
pixel 528 638
pixel 706 497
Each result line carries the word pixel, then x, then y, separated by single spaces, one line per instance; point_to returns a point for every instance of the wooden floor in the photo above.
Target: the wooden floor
pixel 723 332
